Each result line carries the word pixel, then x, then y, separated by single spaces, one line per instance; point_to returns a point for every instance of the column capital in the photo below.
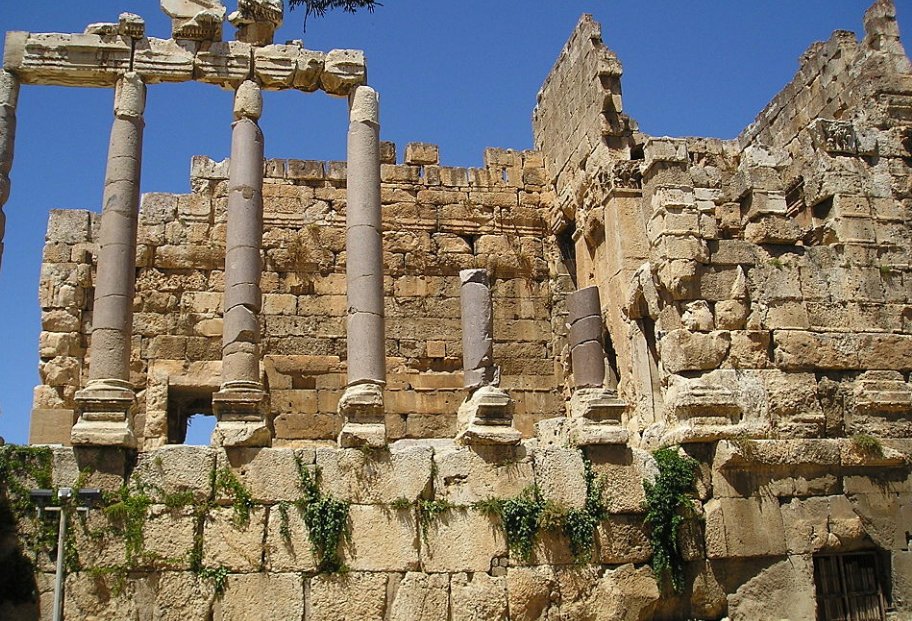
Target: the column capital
pixel 364 105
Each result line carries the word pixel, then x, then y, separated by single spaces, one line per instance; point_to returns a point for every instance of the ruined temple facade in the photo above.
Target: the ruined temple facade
pixel 429 338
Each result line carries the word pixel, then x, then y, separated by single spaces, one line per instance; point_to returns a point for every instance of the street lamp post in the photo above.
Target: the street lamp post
pixel 88 498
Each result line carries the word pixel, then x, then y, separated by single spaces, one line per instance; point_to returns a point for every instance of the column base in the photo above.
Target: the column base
pixel 486 417
pixel 239 408
pixel 105 410
pixel 362 407
pixel 596 418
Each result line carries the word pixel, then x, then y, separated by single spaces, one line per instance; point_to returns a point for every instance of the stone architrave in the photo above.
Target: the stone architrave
pixel 595 411
pixel 239 404
pixel 9 97
pixel 105 404
pixel 362 403
pixel 486 415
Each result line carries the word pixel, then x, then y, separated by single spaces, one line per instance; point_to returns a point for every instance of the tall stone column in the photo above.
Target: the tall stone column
pixel 362 402
pixel 9 98
pixel 486 415
pixel 595 411
pixel 239 404
pixel 105 404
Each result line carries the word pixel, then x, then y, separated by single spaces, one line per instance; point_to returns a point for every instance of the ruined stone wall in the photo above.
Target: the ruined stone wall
pixel 437 220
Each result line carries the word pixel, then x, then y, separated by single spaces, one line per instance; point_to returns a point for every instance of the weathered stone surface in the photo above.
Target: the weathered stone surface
pixel 229 542
pixel 743 527
pixel 421 597
pixel 375 476
pixel 560 476
pixel 355 595
pixel 270 475
pixel 470 474
pixel 532 593
pixel 462 540
pixel 343 70
pixel 784 590
pixel 687 351
pixel 259 596
pixel 176 469
pixel 478 598
pixel 382 539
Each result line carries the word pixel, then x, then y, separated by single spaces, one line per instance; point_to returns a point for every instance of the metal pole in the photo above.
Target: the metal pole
pixel 58 583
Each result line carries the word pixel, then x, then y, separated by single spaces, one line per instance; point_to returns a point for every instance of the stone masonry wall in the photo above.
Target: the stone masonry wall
pixel 438 220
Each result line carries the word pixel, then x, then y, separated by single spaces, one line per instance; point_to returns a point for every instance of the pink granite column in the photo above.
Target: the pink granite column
pixel 362 402
pixel 9 97
pixel 238 405
pixel 105 404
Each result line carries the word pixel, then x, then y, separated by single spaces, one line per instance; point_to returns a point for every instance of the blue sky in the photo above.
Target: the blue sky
pixel 463 74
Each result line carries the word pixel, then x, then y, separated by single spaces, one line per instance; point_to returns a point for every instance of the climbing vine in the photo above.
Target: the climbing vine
pixel 127 510
pixel 241 500
pixel 668 503
pixel 326 519
pixel 580 524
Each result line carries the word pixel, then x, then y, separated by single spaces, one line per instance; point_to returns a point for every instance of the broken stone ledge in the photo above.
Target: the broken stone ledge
pixel 95 60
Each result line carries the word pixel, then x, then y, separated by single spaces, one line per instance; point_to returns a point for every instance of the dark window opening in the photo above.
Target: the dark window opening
pixel 614 375
pixel 567 248
pixel 190 417
pixel 850 586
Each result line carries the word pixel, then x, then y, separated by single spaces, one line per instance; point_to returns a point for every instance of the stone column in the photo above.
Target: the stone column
pixel 486 415
pixel 595 411
pixel 239 404
pixel 105 404
pixel 9 97
pixel 362 402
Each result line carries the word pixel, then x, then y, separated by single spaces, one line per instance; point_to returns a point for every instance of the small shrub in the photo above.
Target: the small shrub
pixel 326 519
pixel 867 445
pixel 667 502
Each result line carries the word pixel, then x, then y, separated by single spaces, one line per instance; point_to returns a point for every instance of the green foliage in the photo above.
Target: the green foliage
pixel 241 501
pixel 867 445
pixel 177 500
pixel 428 511
pixel 668 500
pixel 401 503
pixel 777 263
pixel 326 519
pixel 284 527
pixel 489 507
pixel 319 8
pixel 127 510
pixel 218 576
pixel 521 518
pixel 580 525
pixel 22 468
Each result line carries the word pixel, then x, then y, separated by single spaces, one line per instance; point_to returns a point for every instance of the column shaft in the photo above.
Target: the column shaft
pixel 477 329
pixel 9 97
pixel 364 243
pixel 587 352
pixel 115 279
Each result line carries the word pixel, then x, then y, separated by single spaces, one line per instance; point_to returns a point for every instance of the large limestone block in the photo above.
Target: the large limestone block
pixel 625 594
pixel 623 539
pixel 225 63
pixel 163 60
pixel 382 539
pixel 902 580
pixel 67 59
pixel 90 597
pixel 478 598
pixel 821 524
pixel 462 540
pixel 681 350
pixel 253 597
pixel 381 476
pixel 624 470
pixel 168 536
pixel 464 475
pixel 561 477
pixel 174 596
pixel 344 597
pixel 784 590
pixel 576 584
pixel 744 527
pixel 239 547
pixel 421 597
pixel 532 593
pixel 269 474
pixel 343 70
pixel 289 551
pixel 176 469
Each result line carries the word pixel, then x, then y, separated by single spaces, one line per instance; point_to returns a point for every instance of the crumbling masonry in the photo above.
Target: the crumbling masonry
pixel 434 341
